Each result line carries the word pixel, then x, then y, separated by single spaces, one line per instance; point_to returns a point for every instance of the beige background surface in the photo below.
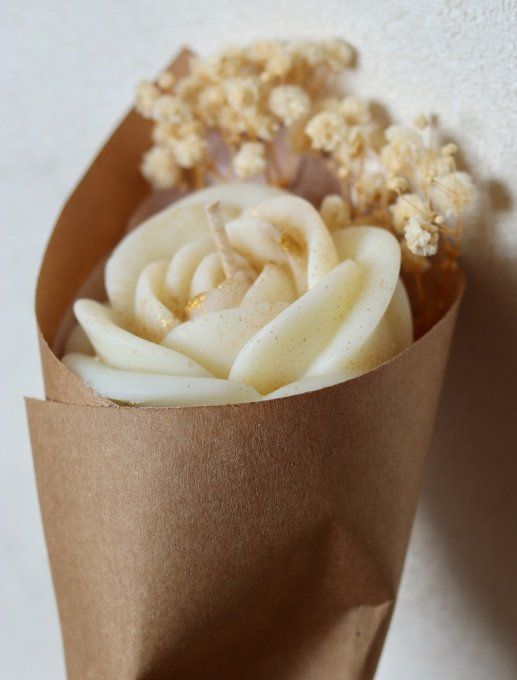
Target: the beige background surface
pixel 68 72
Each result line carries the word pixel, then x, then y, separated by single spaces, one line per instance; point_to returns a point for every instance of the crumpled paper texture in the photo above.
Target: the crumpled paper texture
pixel 261 540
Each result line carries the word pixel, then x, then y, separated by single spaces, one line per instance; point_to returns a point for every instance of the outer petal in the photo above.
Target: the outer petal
pixel 377 255
pixel 149 389
pixel 282 351
pixel 121 349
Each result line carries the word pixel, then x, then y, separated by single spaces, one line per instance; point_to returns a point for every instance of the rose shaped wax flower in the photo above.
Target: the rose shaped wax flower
pixel 267 303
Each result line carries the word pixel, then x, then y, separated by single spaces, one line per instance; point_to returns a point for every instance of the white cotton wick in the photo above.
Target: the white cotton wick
pixel 222 242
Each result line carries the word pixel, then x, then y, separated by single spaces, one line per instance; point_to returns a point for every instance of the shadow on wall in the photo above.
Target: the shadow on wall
pixel 470 491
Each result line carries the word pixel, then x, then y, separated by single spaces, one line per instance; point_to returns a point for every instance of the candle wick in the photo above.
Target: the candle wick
pixel 222 242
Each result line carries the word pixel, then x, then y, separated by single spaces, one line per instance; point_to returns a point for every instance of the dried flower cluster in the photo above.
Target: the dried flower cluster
pixel 273 99
pixel 244 96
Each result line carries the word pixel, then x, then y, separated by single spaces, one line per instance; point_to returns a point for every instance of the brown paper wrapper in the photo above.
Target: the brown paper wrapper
pixel 261 540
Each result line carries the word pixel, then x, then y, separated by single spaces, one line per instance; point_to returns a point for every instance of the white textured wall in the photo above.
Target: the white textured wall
pixel 68 70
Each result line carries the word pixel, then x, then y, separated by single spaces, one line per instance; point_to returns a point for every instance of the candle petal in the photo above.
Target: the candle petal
pixel 151 389
pixel 182 267
pixel 273 283
pixel 299 221
pixel 152 317
pixel 228 294
pixel 304 385
pixel 282 351
pixel 257 240
pixel 208 275
pixel 121 349
pixel 377 255
pixel 215 339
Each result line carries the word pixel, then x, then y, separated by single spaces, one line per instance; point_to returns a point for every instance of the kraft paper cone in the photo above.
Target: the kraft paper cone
pixel 261 540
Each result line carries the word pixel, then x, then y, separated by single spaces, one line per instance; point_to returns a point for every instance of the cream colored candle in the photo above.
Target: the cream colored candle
pixel 291 307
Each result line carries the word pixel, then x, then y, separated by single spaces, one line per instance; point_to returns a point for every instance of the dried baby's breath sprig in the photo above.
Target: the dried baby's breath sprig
pixel 421 236
pixel 405 207
pixel 146 94
pixel 451 191
pixel 267 107
pixel 166 80
pixel 289 103
pixel 273 59
pixel 250 160
pixel 244 96
pixel 168 108
pixel 397 184
pixel 160 168
pixel 326 130
pixel 355 111
pixel 449 149
pixel 188 150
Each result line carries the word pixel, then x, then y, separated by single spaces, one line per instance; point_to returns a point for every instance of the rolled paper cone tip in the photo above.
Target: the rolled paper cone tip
pixel 260 540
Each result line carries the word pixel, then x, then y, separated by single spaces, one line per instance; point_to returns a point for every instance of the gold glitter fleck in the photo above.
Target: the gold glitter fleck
pixel 194 303
pixel 290 244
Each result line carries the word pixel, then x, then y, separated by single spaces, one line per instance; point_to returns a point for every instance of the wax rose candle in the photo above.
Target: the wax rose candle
pixel 266 303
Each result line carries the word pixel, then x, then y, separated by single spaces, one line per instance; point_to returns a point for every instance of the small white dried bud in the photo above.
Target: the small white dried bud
pixel 307 51
pixel 421 236
pixel 356 142
pixel 404 147
pixel 160 168
pixel 188 150
pixel 278 65
pixel 170 109
pixel 397 184
pixel 368 190
pixel 162 133
pixel 326 131
pixel 337 54
pixel 451 192
pixel 242 93
pixel 421 121
pixel 166 80
pixel 274 58
pixel 189 87
pixel 404 208
pixel 356 111
pixel 250 160
pixel 211 100
pixel 404 138
pixel 230 63
pixel 289 103
pixel 146 95
pixel 262 126
pixel 449 149
pixel 229 120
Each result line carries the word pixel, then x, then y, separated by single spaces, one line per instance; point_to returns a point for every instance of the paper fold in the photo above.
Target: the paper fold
pixel 261 540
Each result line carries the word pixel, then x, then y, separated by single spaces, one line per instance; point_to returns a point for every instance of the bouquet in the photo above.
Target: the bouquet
pixel 242 366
